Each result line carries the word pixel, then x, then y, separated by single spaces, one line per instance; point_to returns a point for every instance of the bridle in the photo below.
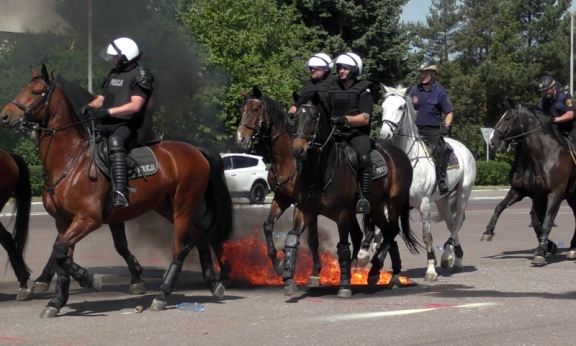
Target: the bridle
pixel 45 97
pixel 257 129
pixel 506 135
pixel 395 126
pixel 311 139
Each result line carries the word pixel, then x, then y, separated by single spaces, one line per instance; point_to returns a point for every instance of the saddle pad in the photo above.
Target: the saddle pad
pixel 378 162
pixel 140 162
pixel 452 158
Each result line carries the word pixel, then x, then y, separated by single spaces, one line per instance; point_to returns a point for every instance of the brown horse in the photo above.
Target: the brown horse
pixel 328 187
pixel 15 182
pixel 263 119
pixel 76 194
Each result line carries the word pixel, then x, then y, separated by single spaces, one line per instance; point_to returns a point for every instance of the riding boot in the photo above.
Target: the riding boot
pixel 441 171
pixel 363 205
pixel 118 170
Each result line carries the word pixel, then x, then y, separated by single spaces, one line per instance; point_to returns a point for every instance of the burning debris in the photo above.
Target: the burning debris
pixel 249 262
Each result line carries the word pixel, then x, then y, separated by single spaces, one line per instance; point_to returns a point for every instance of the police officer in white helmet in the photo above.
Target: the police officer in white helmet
pixel 121 107
pixel 320 66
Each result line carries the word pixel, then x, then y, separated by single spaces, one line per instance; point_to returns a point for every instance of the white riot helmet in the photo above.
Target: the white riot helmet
pixel 320 61
pixel 123 48
pixel 352 62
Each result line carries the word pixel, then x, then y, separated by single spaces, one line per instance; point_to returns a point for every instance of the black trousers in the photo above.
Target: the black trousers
pixel 361 144
pixel 118 131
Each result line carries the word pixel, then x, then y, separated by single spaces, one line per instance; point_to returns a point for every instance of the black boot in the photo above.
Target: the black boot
pixel 363 205
pixel 441 171
pixel 118 170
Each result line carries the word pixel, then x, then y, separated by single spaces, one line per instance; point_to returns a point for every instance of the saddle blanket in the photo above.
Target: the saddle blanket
pixel 378 162
pixel 452 158
pixel 140 162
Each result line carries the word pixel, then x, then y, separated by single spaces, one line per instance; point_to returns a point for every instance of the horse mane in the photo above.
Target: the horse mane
pixel 544 119
pixel 277 114
pixel 323 106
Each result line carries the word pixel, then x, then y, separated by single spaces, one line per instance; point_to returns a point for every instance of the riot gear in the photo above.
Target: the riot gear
pixel 124 49
pixel 352 62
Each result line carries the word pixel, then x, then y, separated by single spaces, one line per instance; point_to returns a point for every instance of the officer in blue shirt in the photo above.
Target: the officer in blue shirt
pixel 430 100
pixel 558 103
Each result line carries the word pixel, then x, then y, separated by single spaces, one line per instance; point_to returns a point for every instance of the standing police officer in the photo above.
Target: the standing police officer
pixel 320 66
pixel 351 107
pixel 558 103
pixel 430 100
pixel 122 106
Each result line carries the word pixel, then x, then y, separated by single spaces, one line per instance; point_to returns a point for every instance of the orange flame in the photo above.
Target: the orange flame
pixel 249 262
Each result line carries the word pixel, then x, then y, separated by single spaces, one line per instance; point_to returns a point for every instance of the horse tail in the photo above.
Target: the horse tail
pixel 22 203
pixel 407 234
pixel 218 200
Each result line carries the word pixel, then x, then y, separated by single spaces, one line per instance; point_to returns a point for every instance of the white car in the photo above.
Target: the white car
pixel 246 176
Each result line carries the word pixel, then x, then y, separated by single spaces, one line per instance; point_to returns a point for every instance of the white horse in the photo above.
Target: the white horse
pixel 398 117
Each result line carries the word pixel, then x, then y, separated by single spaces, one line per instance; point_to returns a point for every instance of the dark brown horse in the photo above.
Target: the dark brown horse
pixel 549 171
pixel 264 120
pixel 328 187
pixel 76 194
pixel 15 182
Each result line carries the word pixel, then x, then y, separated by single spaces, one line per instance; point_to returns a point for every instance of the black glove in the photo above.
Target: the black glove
pixel 84 109
pixel 445 130
pixel 341 120
pixel 99 113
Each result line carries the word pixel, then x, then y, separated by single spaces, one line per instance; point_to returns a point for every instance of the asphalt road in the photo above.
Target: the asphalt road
pixel 499 299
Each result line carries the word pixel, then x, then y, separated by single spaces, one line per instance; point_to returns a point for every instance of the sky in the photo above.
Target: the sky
pixel 416 11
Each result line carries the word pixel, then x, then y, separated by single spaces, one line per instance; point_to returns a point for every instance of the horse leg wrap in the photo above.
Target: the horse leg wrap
pixel 206 263
pixel 171 276
pixel 84 278
pixel 291 251
pixel 395 258
pixel 345 261
pixel 431 255
pixel 267 227
pixel 458 251
pixel 134 266
pixel 61 293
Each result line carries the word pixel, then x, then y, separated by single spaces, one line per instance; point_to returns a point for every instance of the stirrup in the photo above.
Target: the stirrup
pixel 442 188
pixel 120 200
pixel 363 206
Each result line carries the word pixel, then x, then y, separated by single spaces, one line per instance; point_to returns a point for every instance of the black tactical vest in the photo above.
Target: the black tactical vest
pixel 320 87
pixel 345 101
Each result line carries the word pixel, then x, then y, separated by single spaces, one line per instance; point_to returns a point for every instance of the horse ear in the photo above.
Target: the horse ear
pixel 256 92
pixel 383 88
pixel 45 74
pixel 33 72
pixel 511 103
pixel 243 93
pixel 295 96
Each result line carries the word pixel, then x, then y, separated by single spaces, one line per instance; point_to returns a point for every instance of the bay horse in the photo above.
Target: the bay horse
pixel 76 193
pixel 328 187
pixel 15 182
pixel 549 169
pixel 398 117
pixel 264 120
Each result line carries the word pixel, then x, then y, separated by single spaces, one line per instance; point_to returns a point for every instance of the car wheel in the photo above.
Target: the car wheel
pixel 257 194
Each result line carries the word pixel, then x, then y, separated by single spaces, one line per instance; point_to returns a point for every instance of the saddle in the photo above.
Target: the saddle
pixel 449 151
pixel 378 162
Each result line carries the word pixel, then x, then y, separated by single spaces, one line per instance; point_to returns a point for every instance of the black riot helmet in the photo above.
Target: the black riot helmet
pixel 545 83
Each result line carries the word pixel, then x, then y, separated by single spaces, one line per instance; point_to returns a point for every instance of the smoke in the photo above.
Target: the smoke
pixel 29 16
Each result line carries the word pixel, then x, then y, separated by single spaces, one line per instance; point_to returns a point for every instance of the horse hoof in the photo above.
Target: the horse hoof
pixel 49 312
pixel 538 261
pixel 23 294
pixel 290 287
pixel 447 257
pixel 137 289
pixel 217 290
pixel 344 293
pixel 431 277
pixel 571 254
pixel 486 237
pixel 373 279
pixel 227 283
pixel 313 281
pixel 158 305
pixel 279 266
pixel 40 287
pixel 97 283
pixel 363 258
pixel 552 247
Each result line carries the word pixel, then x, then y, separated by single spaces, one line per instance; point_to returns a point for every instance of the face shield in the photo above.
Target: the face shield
pixel 110 52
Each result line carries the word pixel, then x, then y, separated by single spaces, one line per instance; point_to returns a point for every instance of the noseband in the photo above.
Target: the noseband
pixel 311 139
pixel 395 127
pixel 258 133
pixel 506 135
pixel 45 97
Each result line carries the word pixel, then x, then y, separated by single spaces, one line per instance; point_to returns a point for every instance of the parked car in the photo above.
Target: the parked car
pixel 246 176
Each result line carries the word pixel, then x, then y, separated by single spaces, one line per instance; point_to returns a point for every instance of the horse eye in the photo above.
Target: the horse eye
pixel 255 109
pixel 35 92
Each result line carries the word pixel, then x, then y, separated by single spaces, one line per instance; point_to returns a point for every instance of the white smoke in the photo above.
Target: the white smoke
pixel 29 16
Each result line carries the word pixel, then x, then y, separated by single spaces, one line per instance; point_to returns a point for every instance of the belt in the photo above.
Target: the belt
pixel 427 127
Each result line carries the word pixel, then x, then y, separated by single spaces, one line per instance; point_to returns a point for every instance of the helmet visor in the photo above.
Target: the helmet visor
pixel 108 52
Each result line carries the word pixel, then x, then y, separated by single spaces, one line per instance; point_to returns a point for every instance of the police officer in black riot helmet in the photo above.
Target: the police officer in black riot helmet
pixel 559 104
pixel 430 101
pixel 320 66
pixel 351 106
pixel 121 107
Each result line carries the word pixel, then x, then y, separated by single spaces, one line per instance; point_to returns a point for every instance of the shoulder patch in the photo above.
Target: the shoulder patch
pixel 569 102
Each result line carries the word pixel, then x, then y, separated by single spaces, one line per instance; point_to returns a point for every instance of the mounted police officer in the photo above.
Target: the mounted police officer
pixel 351 106
pixel 558 103
pixel 320 66
pixel 121 106
pixel 430 100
